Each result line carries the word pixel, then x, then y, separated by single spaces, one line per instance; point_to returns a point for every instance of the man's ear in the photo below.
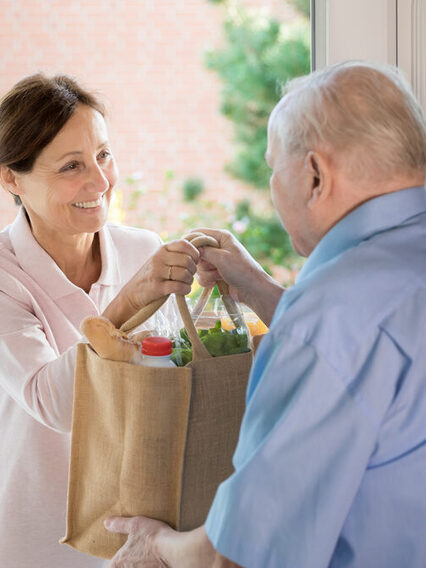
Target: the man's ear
pixel 10 180
pixel 318 171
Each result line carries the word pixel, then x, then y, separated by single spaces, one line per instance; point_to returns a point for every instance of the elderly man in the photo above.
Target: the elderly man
pixel 330 466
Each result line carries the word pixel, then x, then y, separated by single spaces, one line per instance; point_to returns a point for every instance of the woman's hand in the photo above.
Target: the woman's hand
pixel 248 282
pixel 169 271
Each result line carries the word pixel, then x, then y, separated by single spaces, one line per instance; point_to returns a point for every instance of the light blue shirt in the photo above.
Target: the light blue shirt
pixel 330 468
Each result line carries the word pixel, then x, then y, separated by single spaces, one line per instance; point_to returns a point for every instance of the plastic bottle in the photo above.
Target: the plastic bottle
pixel 157 352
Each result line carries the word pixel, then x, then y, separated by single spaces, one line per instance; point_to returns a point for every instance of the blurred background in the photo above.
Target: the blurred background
pixel 188 88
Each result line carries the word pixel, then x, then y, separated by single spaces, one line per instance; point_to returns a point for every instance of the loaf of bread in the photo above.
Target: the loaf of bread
pixel 108 341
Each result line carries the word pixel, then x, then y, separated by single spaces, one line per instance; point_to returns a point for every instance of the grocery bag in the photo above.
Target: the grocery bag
pixel 150 441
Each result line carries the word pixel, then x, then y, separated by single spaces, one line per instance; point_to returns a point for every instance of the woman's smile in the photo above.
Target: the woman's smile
pixel 90 204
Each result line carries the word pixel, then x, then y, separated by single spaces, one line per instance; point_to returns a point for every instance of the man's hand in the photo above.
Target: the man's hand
pixel 140 549
pixel 248 282
pixel 153 544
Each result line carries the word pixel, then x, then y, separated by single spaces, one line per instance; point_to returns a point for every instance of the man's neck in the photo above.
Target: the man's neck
pixel 350 195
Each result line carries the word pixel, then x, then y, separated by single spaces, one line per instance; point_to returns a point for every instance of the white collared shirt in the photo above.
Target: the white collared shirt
pixel 40 316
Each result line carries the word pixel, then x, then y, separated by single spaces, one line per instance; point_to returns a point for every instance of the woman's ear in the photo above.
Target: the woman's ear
pixel 318 171
pixel 10 180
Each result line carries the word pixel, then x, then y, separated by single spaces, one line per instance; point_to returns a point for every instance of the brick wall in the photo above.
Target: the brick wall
pixel 145 59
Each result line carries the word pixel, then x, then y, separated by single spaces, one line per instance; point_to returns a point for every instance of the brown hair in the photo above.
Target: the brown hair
pixel 33 112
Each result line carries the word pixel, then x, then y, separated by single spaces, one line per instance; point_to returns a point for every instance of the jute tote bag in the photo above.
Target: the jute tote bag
pixel 150 441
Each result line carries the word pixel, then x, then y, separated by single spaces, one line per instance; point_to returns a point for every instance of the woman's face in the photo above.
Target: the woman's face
pixel 69 188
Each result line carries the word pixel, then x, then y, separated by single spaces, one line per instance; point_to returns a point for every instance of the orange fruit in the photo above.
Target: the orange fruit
pixel 255 325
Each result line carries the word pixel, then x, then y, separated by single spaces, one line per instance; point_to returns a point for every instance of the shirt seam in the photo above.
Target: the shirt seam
pixel 364 407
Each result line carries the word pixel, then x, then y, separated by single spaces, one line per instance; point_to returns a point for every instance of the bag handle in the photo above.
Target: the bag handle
pixel 199 351
pixel 231 306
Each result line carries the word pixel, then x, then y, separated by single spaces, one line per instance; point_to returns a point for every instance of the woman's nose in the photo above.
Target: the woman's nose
pixel 97 179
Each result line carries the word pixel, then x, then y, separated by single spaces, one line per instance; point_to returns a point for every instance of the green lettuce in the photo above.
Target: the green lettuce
pixel 218 342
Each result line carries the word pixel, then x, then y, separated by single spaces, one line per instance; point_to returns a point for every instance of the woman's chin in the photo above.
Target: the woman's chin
pixel 91 219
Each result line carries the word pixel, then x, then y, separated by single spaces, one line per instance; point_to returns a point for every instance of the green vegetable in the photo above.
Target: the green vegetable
pixel 181 357
pixel 218 342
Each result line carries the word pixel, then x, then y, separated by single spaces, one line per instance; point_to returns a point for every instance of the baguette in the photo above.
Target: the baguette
pixel 108 341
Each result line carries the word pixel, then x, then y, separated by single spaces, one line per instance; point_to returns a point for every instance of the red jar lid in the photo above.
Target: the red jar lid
pixel 156 346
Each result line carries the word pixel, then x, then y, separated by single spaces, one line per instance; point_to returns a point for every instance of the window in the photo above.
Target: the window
pixel 391 31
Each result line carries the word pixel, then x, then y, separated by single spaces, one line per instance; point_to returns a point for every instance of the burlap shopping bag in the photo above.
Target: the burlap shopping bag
pixel 150 441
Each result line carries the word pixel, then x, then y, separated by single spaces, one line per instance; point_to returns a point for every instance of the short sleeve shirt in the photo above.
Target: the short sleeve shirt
pixel 330 467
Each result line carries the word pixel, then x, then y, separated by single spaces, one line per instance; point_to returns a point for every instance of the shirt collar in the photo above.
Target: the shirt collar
pixel 110 274
pixel 374 216
pixel 38 264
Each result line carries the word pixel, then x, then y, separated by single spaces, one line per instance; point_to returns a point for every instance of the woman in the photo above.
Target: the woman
pixel 59 262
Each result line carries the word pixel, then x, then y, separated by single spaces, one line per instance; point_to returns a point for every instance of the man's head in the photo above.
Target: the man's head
pixel 341 136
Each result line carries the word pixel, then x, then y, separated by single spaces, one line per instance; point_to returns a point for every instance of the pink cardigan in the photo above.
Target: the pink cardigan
pixel 40 315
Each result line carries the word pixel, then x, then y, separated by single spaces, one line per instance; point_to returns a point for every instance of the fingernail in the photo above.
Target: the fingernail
pixel 107 523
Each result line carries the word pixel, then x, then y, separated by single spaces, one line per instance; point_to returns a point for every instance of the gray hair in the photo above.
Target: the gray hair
pixel 364 114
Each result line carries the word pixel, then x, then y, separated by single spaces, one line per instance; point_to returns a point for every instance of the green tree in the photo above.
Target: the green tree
pixel 304 6
pixel 258 56
pixel 192 187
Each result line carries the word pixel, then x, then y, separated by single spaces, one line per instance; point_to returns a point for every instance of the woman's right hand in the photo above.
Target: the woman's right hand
pixel 170 270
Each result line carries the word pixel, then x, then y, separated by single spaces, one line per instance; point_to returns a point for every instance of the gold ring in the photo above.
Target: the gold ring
pixel 169 275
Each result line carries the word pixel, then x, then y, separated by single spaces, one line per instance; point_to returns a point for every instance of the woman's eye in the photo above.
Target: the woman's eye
pixel 70 167
pixel 104 155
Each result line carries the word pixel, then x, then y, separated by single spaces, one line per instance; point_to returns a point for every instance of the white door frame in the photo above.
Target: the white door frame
pixel 387 31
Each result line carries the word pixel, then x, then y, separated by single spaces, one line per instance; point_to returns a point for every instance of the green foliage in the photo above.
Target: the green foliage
pixel 218 342
pixel 134 198
pixel 263 236
pixel 260 54
pixel 304 6
pixel 192 188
